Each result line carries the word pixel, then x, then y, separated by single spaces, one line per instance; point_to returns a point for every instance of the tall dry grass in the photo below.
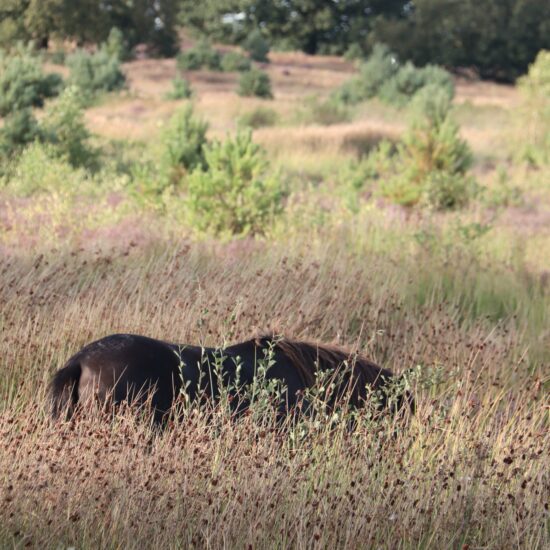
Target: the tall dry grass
pixel 469 469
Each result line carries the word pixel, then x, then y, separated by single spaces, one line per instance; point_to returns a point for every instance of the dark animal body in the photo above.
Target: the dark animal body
pixel 136 369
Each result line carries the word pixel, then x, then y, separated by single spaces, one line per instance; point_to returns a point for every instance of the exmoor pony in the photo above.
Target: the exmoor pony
pixel 140 370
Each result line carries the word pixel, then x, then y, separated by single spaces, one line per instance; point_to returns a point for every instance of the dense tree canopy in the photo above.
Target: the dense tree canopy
pixel 89 21
pixel 497 37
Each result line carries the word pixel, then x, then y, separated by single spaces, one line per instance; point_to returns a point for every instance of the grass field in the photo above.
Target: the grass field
pixel 460 300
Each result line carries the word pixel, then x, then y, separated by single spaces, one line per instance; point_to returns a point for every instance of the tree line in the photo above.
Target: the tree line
pixel 497 38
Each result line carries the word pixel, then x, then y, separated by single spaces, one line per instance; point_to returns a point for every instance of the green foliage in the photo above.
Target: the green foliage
pixel 89 22
pixel 354 52
pixel 535 111
pixel 255 83
pixel 257 46
pixel 379 68
pixel 499 38
pixel 181 89
pixel 20 128
pixel 116 45
pixel 41 169
pixel 235 194
pixel 382 75
pixel 235 62
pixel 258 118
pixel 430 165
pixel 409 79
pixel 200 56
pixel 63 127
pixel 183 141
pixel 95 72
pixel 23 83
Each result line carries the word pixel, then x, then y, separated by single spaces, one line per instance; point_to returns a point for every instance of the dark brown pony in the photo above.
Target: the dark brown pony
pixel 136 369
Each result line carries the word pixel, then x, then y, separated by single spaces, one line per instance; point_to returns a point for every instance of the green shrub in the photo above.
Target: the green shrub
pixel 235 62
pixel 201 56
pixel 403 85
pixel 535 111
pixel 95 72
pixel 58 57
pixel 325 112
pixel 380 67
pixel 20 128
pixel 23 83
pixel 64 129
pixel 181 89
pixel 354 52
pixel 447 191
pixel 257 46
pixel 255 83
pixel 39 168
pixel 430 166
pixel 258 118
pixel 116 46
pixel 183 144
pixel 235 194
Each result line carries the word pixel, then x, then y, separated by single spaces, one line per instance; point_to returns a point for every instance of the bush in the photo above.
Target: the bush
pixel 235 194
pixel 64 129
pixel 382 76
pixel 116 46
pixel 23 83
pixel 447 191
pixel 354 52
pixel 401 88
pixel 257 46
pixel 97 72
pixel 183 144
pixel 39 168
pixel 235 62
pixel 431 162
pixel 255 83
pixel 201 56
pixel 20 128
pixel 535 111
pixel 181 89
pixel 381 66
pixel 258 118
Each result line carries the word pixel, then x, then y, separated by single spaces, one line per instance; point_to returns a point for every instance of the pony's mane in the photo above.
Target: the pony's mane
pixel 309 357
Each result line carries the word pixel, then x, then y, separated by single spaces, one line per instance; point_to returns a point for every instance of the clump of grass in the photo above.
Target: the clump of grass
pixel 260 117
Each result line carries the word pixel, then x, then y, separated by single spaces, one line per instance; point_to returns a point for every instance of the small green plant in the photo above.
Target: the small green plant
pixel 255 83
pixel 183 144
pixel 354 52
pixel 535 111
pixel 257 46
pixel 258 118
pixel 235 62
pixel 64 128
pixel 41 169
pixel 95 72
pixel 235 194
pixel 200 56
pixel 23 83
pixel 20 128
pixel 380 67
pixel 116 46
pixel 431 162
pixel 181 89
